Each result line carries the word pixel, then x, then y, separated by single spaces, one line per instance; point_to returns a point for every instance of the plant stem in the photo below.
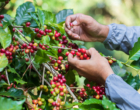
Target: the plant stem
pixel 75 87
pixel 7 76
pixel 21 27
pixel 129 66
pixel 64 48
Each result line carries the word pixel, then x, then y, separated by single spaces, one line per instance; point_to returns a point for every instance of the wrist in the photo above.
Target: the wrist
pixel 104 30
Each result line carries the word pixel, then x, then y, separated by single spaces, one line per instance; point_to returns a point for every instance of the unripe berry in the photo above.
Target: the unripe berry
pixel 39 103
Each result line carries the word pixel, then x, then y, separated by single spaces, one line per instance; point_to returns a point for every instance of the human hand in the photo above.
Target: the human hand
pixel 85 28
pixel 95 69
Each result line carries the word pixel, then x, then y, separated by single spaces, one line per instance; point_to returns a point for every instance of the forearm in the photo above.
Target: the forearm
pixel 121 37
pixel 121 93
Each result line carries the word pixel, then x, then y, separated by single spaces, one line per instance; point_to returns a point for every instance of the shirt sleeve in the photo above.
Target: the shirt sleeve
pixel 121 37
pixel 118 91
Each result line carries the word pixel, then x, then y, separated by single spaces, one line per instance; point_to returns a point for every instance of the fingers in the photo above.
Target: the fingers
pixel 69 20
pixel 72 35
pixel 92 52
pixel 73 61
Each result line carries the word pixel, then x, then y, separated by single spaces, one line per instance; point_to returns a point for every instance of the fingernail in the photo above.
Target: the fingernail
pixel 78 37
pixel 69 32
pixel 69 26
pixel 74 23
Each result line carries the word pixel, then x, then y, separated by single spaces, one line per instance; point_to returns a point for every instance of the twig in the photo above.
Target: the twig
pixel 7 76
pixel 42 80
pixel 64 48
pixel 75 87
pixel 27 68
pixel 21 27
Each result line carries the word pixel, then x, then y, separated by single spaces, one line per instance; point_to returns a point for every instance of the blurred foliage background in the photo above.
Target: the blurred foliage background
pixel 104 11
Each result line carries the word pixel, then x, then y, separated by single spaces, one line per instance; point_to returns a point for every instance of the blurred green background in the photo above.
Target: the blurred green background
pixel 104 11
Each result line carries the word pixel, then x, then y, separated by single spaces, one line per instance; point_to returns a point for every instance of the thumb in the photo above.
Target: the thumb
pixel 91 52
pixel 73 61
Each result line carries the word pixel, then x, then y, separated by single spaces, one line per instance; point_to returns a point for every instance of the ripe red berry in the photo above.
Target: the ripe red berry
pixel 81 93
pixel 32 51
pixel 85 55
pixel 88 85
pixel 24 45
pixel 72 52
pixel 55 78
pixel 79 50
pixel 49 30
pixel 71 24
pixel 67 66
pixel 78 54
pixel 54 104
pixel 46 30
pixel 28 24
pixel 28 47
pixel 65 41
pixel 27 59
pixel 14 29
pixel 59 76
pixel 1 16
pixel 31 44
pixel 64 80
pixel 27 51
pixel 61 93
pixel 40 45
pixel 60 58
pixel 35 48
pixel 43 47
pixel 64 38
pixel 56 67
pixel 59 50
pixel 41 32
pixel 67 53
pixel 83 50
pixel 2 50
pixel 56 35
pixel 20 30
pixel 36 29
pixel 59 62
pixel 81 57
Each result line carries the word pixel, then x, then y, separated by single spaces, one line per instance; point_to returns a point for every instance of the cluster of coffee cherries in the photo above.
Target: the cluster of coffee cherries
pixel 38 103
pixel 58 92
pixel 31 48
pixel 43 88
pixel 9 51
pixel 110 60
pixel 11 85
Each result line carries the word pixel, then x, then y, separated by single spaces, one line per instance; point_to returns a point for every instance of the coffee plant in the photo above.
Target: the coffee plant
pixel 34 72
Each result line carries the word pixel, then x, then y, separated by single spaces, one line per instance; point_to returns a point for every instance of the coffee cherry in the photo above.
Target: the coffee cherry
pixel 28 24
pixel 59 76
pixel 14 29
pixel 85 55
pixel 34 101
pixel 78 54
pixel 46 30
pixel 88 85
pixel 71 24
pixel 61 89
pixel 2 50
pixel 64 38
pixel 1 16
pixel 60 58
pixel 62 103
pixel 44 87
pixel 97 97
pixel 67 53
pixel 110 62
pixel 54 104
pixel 83 50
pixel 39 103
pixel 64 80
pixel 41 32
pixel 65 42
pixel 20 30
pixel 59 62
pixel 55 78
pixel 56 64
pixel 81 57
pixel 35 48
pixel 41 86
pixel 24 45
pixel 61 93
pixel 49 31
pixel 59 50
pixel 36 29
pixel 73 52
pixel 27 51
pixel 50 100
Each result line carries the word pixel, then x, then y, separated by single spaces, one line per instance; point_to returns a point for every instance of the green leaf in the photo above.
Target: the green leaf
pixel 12 70
pixel 20 81
pixel 70 77
pixel 3 62
pixel 22 13
pixel 45 40
pixel 5 38
pixel 136 64
pixel 133 81
pixel 41 56
pixel 49 17
pixel 8 20
pixel 92 101
pixel 3 83
pixel 135 52
pixel 9 104
pixel 14 93
pixel 70 105
pixel 91 107
pixel 35 18
pixel 119 63
pixel 41 17
pixel 108 105
pixel 61 15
